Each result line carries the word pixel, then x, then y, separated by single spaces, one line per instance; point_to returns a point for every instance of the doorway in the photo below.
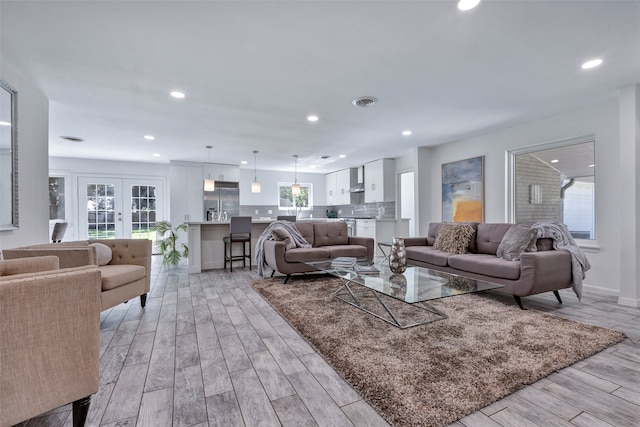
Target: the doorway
pixel 407 200
pixel 115 208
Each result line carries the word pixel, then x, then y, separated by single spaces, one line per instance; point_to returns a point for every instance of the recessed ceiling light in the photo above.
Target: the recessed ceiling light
pixel 467 4
pixel 177 94
pixel 342 156
pixel 149 137
pixel 156 154
pixel 312 118
pixel 555 161
pixel 406 132
pixel 73 138
pixel 5 124
pixel 591 63
pixel 244 162
pixel 592 166
pixel 312 166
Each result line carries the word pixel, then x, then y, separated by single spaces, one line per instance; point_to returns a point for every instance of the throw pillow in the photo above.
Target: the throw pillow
pixel 515 242
pixel 103 253
pixel 454 238
pixel 282 234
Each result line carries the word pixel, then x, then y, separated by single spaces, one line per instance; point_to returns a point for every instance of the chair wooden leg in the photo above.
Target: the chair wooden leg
pixel 80 409
pixel 519 301
pixel 557 294
pixel 244 254
pixel 143 300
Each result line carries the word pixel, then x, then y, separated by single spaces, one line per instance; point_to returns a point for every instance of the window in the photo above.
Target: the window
pixel 302 201
pixel 555 182
pixel 56 198
pixel 143 211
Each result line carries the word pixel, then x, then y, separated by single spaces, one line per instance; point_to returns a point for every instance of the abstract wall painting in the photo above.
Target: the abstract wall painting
pixel 463 190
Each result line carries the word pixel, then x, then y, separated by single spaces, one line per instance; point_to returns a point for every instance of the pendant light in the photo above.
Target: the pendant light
pixel 255 185
pixel 295 187
pixel 209 184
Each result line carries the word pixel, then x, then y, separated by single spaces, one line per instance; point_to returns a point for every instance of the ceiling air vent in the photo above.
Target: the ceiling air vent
pixel 364 101
pixel 72 138
pixel 324 157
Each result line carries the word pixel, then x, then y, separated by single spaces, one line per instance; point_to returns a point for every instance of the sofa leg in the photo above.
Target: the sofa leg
pixel 519 301
pixel 80 409
pixel 557 294
pixel 273 272
pixel 143 300
pixel 286 279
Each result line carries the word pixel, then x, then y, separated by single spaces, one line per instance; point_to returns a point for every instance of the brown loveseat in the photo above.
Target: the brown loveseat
pixel 541 271
pixel 124 277
pixel 328 239
pixel 49 338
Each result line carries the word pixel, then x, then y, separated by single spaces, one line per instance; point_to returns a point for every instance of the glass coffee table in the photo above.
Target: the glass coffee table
pixel 398 299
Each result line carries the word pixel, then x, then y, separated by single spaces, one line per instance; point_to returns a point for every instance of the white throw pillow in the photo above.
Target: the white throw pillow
pixel 103 253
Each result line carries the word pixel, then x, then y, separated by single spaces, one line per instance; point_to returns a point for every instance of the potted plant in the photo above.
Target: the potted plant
pixel 168 245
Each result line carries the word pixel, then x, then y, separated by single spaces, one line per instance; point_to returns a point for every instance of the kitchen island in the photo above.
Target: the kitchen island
pixel 206 247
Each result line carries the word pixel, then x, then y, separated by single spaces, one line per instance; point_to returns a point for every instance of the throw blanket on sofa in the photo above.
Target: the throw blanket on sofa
pixel 562 240
pixel 266 235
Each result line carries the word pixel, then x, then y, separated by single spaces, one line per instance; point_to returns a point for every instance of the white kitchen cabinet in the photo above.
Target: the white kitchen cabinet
pixel 331 188
pixel 186 192
pixel 367 228
pixel 345 179
pixel 379 181
pixel 222 172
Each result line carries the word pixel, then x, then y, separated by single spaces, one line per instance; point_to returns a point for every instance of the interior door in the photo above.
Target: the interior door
pixel 113 208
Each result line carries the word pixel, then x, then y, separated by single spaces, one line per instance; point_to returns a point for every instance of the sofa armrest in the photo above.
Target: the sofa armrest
pixel 415 241
pixel 11 267
pixel 274 254
pixel 363 241
pixel 68 256
pixel 545 271
pixel 49 341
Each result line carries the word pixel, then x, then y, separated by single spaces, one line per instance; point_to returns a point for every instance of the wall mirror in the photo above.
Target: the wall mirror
pixel 8 157
pixel 555 182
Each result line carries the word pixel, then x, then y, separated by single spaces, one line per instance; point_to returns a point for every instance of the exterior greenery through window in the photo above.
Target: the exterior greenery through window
pixel 56 198
pixel 302 201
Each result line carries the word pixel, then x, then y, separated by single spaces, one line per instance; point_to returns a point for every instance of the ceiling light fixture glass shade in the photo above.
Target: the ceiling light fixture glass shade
pixel 209 184
pixel 295 187
pixel 467 4
pixel 255 185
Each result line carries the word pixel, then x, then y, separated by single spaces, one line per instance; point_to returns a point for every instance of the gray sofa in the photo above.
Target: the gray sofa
pixel 328 239
pixel 536 272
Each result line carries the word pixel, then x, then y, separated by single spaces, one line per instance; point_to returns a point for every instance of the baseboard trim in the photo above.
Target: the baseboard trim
pixel 629 302
pixel 601 291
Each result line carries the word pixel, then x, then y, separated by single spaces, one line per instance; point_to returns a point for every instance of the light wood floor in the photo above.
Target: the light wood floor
pixel 209 351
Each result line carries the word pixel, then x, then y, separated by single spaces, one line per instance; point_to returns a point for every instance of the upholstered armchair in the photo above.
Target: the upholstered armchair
pixel 49 338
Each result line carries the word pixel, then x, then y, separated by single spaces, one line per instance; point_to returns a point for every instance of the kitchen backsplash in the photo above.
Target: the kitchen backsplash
pixel 385 210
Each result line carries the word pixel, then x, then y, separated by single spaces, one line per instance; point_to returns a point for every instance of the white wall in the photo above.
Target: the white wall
pixel 600 120
pixel 268 179
pixel 33 152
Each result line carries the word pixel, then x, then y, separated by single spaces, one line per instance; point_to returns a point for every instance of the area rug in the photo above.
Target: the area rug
pixel 434 374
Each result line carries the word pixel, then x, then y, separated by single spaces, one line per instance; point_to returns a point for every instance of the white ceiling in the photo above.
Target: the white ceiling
pixel 253 71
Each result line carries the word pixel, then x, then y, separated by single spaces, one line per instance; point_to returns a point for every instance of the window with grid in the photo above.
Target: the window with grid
pixel 101 211
pixel 143 211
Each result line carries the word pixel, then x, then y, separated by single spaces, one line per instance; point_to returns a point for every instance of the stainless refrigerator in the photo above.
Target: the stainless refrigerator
pixel 223 202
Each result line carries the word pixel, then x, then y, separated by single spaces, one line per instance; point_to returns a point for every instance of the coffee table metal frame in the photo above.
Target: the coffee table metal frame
pixel 349 294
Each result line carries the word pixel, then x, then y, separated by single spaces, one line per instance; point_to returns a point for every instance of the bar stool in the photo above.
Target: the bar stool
pixel 239 232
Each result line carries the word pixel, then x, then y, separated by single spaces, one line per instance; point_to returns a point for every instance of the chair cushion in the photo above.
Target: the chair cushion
pixel 427 254
pixel 454 238
pixel 487 265
pixel 305 254
pixel 330 233
pixel 346 250
pixel 283 235
pixel 515 242
pixel 114 276
pixel 490 236
pixel 306 229
pixel 103 253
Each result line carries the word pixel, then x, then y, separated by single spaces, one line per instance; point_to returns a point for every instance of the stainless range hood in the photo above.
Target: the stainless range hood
pixel 359 187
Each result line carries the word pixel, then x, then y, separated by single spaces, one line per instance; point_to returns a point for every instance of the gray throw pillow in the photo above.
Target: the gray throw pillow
pixel 454 238
pixel 515 242
pixel 282 234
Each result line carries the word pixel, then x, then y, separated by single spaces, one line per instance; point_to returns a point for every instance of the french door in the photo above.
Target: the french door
pixel 111 208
